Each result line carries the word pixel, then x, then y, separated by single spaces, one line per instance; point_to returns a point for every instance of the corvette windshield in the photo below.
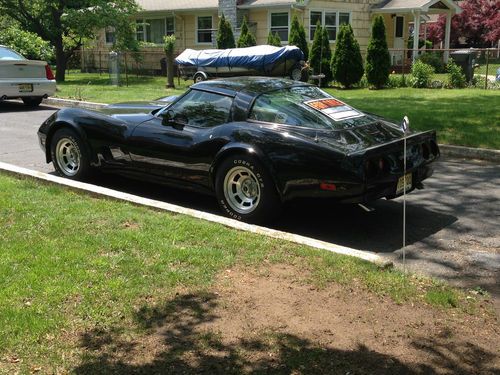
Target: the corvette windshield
pixel 308 107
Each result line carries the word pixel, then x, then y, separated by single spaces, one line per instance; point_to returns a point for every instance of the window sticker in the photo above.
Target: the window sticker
pixel 334 108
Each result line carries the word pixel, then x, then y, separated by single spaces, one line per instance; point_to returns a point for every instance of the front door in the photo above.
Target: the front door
pixel 398 53
pixel 181 151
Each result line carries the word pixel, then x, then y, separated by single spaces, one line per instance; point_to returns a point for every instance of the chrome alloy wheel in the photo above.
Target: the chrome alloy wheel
pixel 68 156
pixel 242 190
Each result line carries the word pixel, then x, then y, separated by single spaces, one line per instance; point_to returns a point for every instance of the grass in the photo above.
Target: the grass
pixel 71 263
pixel 492 68
pixel 467 117
pixel 97 88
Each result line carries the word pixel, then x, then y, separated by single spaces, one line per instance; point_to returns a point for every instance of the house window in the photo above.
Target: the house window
pixel 331 20
pixel 398 30
pixel 110 35
pixel 279 24
pixel 153 30
pixel 204 29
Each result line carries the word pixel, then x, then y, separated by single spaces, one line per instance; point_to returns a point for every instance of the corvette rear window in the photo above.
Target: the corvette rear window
pixel 8 54
pixel 293 107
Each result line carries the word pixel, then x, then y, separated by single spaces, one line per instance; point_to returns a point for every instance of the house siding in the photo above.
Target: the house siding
pixel 259 22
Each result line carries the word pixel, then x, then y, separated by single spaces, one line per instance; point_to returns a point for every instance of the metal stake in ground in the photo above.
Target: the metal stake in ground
pixel 405 127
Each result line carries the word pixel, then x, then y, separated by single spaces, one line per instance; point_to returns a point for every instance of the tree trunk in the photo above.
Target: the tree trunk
pixel 170 70
pixel 61 61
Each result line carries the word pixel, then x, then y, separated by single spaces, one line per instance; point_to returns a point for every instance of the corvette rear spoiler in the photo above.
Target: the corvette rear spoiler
pixel 428 136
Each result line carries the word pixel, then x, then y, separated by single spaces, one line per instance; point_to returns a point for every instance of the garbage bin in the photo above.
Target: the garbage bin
pixel 114 68
pixel 163 64
pixel 465 60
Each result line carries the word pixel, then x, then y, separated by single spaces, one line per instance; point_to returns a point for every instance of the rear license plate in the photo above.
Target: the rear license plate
pixel 404 181
pixel 25 87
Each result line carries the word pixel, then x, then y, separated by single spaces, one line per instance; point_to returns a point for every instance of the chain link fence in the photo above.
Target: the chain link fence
pixel 485 62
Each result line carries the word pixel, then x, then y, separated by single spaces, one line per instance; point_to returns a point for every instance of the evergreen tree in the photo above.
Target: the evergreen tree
pixel 347 64
pixel 246 38
pixel 321 54
pixel 273 39
pixel 225 37
pixel 378 59
pixel 297 36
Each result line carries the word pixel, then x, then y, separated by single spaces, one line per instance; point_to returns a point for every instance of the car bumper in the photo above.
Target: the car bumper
pixel 12 89
pixel 357 192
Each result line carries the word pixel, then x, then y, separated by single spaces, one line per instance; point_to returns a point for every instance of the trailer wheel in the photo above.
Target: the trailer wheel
pixel 199 77
pixel 296 73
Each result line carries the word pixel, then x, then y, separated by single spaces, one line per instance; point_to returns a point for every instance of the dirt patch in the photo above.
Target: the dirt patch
pixel 268 321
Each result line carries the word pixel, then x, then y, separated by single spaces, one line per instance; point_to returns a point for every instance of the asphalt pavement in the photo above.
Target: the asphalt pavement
pixel 453 230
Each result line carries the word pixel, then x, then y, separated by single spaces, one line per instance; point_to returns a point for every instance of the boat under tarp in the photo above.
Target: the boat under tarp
pixel 262 60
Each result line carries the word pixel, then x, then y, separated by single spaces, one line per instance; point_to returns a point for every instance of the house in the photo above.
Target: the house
pixel 194 22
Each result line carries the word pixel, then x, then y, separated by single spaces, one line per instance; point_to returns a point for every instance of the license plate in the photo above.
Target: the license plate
pixel 404 181
pixel 25 87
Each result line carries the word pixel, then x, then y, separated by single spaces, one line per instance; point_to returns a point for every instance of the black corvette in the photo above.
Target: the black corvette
pixel 253 142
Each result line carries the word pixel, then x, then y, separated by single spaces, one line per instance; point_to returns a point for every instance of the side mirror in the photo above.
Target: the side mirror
pixel 177 121
pixel 405 124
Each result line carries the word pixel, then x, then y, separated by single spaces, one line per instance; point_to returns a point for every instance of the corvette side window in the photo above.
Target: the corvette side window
pixel 204 109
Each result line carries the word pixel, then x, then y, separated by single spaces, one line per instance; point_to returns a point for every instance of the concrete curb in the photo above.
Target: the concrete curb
pixel 470 153
pixel 73 103
pixel 366 255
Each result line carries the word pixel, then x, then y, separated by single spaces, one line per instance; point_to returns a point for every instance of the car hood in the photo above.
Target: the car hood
pixel 132 107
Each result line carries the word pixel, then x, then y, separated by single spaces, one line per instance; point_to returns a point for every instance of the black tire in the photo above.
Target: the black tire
pixel 264 208
pixel 198 77
pixel 67 149
pixel 32 102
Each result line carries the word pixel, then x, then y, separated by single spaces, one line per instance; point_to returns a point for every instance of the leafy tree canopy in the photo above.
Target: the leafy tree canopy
pixel 478 24
pixel 67 24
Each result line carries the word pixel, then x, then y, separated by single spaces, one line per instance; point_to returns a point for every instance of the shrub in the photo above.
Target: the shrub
pixel 456 77
pixel 321 54
pixel 27 44
pixel 378 60
pixel 273 39
pixel 347 64
pixel 225 36
pixel 433 59
pixel 246 38
pixel 396 80
pixel 421 74
pixel 297 36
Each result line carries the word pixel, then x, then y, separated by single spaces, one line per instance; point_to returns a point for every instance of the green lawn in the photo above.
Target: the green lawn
pixel 492 68
pixel 468 117
pixel 71 263
pixel 97 88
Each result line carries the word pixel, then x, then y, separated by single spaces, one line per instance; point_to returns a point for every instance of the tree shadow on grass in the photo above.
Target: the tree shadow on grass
pixel 177 341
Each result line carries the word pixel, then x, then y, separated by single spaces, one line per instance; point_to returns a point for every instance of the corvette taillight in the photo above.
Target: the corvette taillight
pixel 48 73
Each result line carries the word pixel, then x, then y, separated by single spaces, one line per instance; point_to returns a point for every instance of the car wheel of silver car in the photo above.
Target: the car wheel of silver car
pixel 69 155
pixel 32 102
pixel 245 190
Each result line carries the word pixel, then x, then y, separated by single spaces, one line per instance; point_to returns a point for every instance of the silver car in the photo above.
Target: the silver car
pixel 20 78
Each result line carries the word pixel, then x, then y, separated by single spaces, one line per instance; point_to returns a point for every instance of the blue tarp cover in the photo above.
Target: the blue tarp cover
pixel 250 57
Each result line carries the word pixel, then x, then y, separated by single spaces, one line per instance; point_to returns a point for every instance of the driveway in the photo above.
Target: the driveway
pixel 452 225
